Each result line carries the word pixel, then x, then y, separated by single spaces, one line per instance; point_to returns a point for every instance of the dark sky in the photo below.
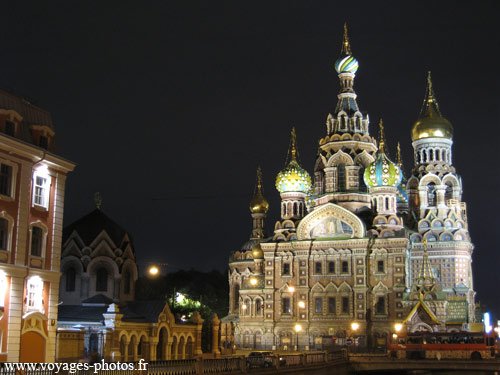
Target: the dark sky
pixel 168 107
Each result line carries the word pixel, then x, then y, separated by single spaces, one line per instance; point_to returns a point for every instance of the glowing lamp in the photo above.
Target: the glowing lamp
pixel 153 271
pixel 291 289
pixel 394 336
pixel 298 328
pixel 398 327
pixel 487 322
pixel 244 307
pixel 253 281
pixel 354 326
pixel 302 304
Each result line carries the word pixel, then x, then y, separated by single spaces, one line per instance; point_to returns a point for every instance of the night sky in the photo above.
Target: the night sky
pixel 168 107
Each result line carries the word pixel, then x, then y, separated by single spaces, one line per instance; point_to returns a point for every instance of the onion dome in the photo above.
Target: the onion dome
pixel 293 178
pixel 431 124
pixel 259 204
pixel 346 63
pixel 382 172
pixel 257 252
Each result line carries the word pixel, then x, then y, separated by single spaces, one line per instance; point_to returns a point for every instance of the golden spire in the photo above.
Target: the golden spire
pixel 293 145
pixel 259 178
pixel 399 161
pixel 346 46
pixel 430 103
pixel 381 143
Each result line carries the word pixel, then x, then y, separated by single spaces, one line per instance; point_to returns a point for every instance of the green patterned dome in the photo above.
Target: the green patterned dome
pixel 382 172
pixel 293 179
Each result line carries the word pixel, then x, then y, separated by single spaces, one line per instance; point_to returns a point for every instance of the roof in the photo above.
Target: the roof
pixel 143 311
pixel 79 313
pixel 31 114
pixel 89 226
pixel 98 299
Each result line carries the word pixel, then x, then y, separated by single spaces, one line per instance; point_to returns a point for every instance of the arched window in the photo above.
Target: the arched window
pixel 36 241
pixel 236 298
pixel 449 191
pixel 101 282
pixel 380 306
pixel 34 294
pixel 386 203
pixel 4 233
pixel 361 173
pixel 127 280
pixel 258 306
pixel 70 279
pixel 341 177
pixel 431 194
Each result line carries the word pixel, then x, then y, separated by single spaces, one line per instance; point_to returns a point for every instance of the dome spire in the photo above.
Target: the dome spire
pixel 293 144
pixel 258 203
pixel 381 143
pixel 399 161
pixel 430 103
pixel 346 46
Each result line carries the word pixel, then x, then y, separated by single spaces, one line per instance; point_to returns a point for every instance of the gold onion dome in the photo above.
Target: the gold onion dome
pixel 293 178
pixel 259 204
pixel 346 63
pixel 431 124
pixel 257 252
pixel 382 172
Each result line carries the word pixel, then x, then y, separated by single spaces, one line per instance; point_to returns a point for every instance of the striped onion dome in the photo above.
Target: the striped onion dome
pixel 346 64
pixel 382 172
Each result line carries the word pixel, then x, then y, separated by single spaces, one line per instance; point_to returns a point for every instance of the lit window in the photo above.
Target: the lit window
pixel 5 179
pixel 36 241
pixel 4 234
pixel 318 303
pixel 41 190
pixel 34 294
pixel 286 306
pixel 3 288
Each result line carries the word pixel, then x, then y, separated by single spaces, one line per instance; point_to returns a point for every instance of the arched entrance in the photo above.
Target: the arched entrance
pixel 189 348
pixel 161 348
pixel 32 347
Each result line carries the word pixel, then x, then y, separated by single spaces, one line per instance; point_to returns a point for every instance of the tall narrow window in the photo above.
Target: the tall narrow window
pixel 345 267
pixel 431 194
pixel 345 305
pixel 34 294
pixel 286 305
pixel 10 128
pixel 40 191
pixel 380 306
pixel 380 266
pixel 127 280
pixel 341 177
pixel 317 267
pixel 331 267
pixel 101 283
pixel 318 303
pixel 70 279
pixel 286 268
pixel 43 142
pixel 4 234
pixel 331 305
pixel 5 179
pixel 236 297
pixel 36 241
pixel 258 306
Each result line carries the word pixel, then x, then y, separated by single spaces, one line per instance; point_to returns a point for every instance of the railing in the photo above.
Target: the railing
pixel 233 365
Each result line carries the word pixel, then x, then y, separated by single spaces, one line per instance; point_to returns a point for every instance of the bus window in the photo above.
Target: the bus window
pixel 415 339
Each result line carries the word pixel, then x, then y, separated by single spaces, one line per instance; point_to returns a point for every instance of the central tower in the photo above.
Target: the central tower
pixel 347 149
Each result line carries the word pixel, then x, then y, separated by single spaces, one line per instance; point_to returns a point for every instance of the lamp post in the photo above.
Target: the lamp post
pixel 298 328
pixel 354 328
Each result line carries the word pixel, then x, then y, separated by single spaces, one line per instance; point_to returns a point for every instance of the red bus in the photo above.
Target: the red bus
pixel 443 345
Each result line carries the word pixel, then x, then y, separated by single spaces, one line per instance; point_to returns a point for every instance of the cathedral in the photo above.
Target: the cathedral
pixel 362 250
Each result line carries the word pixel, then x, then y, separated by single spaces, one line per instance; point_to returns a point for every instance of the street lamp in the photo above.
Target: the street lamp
pixel 154 269
pixel 253 281
pixel 298 328
pixel 398 327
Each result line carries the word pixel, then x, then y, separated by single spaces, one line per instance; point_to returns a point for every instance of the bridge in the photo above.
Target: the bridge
pixel 367 364
pixel 312 363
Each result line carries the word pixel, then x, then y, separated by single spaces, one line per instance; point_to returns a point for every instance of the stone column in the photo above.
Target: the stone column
pixel 196 319
pixel 215 335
